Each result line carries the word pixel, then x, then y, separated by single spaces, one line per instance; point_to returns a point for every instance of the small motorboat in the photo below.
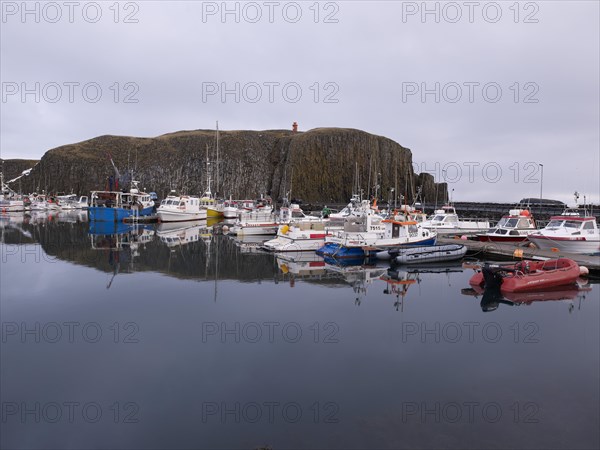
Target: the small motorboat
pixel 432 253
pixel 513 227
pixel 574 231
pixel 526 276
pixel 446 221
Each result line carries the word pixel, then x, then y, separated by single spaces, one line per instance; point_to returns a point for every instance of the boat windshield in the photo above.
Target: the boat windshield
pixel 438 218
pixel 572 224
pixel 554 224
pixel 506 222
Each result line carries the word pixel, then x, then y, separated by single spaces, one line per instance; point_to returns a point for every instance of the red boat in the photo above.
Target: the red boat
pixel 526 276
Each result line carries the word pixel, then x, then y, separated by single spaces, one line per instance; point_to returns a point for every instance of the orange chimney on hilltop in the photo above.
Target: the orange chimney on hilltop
pixel 295 127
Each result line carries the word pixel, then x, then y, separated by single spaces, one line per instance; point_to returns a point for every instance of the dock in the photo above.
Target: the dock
pixel 516 251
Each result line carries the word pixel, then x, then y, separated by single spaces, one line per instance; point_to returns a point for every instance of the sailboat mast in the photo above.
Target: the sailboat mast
pixel 208 192
pixel 217 179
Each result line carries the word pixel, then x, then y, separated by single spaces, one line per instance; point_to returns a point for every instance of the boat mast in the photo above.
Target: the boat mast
pixel 217 180
pixel 208 193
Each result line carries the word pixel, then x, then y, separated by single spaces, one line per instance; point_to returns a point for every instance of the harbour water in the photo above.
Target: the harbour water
pixel 151 337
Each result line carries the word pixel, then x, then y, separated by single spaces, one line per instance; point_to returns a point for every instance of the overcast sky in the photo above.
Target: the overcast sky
pixel 517 84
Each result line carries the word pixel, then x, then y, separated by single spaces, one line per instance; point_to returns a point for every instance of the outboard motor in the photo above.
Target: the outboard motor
pixel 492 276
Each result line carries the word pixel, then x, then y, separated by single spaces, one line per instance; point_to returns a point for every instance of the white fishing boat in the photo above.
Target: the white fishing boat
pixel 233 208
pixel 265 222
pixel 446 221
pixel 513 227
pixel 350 209
pixel 365 233
pixel 299 236
pixel 432 253
pixel 180 208
pixel 574 231
pixel 10 201
pixel 72 201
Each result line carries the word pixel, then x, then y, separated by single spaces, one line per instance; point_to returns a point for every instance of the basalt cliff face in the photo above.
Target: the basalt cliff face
pixel 319 165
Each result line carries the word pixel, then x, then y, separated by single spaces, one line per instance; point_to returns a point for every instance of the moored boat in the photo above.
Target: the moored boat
pixel 446 221
pixel 513 227
pixel 115 206
pixel 299 236
pixel 180 208
pixel 432 253
pixel 368 233
pixel 573 231
pixel 527 276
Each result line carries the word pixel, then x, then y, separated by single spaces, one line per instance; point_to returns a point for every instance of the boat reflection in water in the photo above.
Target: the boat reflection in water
pixel 491 299
pixel 301 265
pixel 400 278
pixel 122 242
pixel 360 277
pixel 176 234
pixel 72 215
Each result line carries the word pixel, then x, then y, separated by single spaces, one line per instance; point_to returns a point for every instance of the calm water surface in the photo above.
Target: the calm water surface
pixel 173 338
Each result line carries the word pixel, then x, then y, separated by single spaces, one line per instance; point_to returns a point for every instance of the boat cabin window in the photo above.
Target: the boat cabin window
pixel 297 214
pixel 502 221
pixel 554 224
pixel 452 219
pixel 395 230
pixel 514 233
pixel 502 231
pixel 589 225
pixel 181 203
pixel 438 218
pixel 511 223
pixel 572 224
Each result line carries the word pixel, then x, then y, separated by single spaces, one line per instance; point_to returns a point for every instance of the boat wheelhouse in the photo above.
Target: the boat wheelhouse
pixel 513 227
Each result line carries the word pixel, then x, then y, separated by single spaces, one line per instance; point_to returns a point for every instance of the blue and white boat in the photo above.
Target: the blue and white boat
pixel 115 206
pixel 367 233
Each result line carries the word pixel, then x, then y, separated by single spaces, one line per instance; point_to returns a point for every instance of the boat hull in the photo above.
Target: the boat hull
pixel 103 214
pixel 434 253
pixel 211 212
pixel 499 238
pixel 255 230
pixel 571 245
pixel 527 276
pixel 172 216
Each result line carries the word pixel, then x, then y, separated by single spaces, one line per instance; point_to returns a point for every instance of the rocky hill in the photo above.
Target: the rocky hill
pixel 318 165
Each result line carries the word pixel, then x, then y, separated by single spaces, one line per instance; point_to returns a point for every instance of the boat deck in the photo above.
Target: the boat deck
pixel 516 250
